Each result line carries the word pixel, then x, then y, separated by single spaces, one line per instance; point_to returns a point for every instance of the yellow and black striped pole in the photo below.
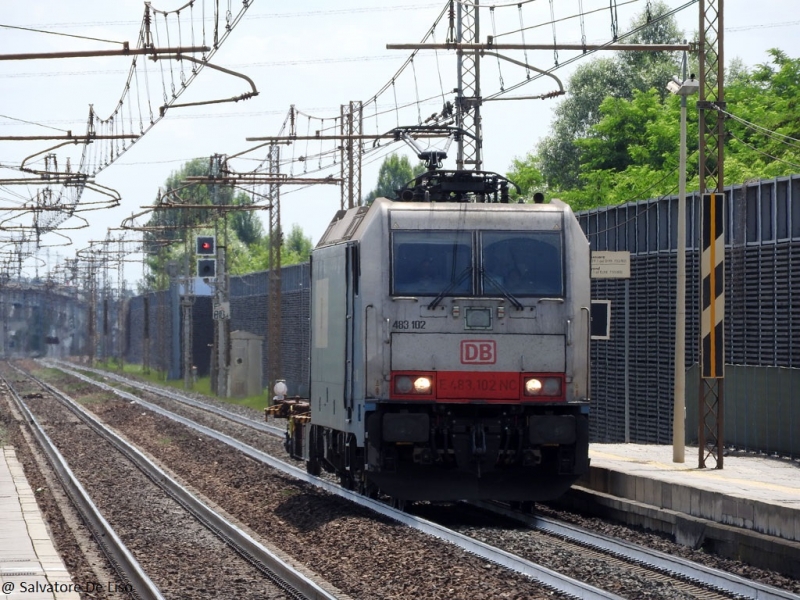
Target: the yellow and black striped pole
pixel 712 271
pixel 712 323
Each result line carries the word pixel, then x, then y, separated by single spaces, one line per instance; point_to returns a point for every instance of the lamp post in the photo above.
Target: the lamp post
pixel 683 89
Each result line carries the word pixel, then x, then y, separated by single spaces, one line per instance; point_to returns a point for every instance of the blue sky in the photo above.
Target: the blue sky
pixel 306 54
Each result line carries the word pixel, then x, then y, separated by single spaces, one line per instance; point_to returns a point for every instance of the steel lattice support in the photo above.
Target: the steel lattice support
pixel 91 285
pixel 468 102
pixel 222 342
pixel 274 365
pixel 712 137
pixel 146 335
pixel 351 127
pixel 121 308
pixel 187 301
pixel 106 331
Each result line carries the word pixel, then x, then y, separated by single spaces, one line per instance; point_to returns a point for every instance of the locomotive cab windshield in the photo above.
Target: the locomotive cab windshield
pixel 482 263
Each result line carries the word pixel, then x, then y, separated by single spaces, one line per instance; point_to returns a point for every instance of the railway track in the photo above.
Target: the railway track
pixel 652 568
pixel 692 579
pixel 126 566
pixel 254 566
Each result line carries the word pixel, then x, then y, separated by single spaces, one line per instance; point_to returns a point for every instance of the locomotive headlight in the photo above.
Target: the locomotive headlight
pixel 552 387
pixel 543 386
pixel 403 384
pixel 533 387
pixel 413 384
pixel 422 385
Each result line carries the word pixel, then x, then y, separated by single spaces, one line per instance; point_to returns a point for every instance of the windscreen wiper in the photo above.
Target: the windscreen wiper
pixel 503 290
pixel 462 276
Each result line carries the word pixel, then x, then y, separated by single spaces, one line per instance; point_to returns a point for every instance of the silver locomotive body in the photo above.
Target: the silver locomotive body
pixel 449 351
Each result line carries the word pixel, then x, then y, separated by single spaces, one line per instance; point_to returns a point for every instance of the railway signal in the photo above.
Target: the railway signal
pixel 206 245
pixel 206 268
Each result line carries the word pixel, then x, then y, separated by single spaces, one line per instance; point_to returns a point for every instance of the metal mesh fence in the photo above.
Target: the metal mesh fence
pixel 149 331
pixel 249 312
pixel 149 325
pixel 632 373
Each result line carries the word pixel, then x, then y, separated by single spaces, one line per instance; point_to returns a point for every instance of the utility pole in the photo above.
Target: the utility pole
pixel 351 130
pixel 121 307
pixel 712 259
pixel 92 310
pixel 222 324
pixel 187 299
pixel 221 300
pixel 274 354
pixel 683 87
pixel 105 348
pixel 146 334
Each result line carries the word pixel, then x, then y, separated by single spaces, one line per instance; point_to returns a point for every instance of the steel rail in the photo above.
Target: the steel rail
pixel 548 577
pixel 118 554
pixel 721 580
pixel 220 412
pixel 279 571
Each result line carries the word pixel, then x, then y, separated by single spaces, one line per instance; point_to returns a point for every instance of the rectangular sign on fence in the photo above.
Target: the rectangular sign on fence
pixel 611 265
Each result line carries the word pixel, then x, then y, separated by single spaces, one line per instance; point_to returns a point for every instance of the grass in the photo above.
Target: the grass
pixel 201 386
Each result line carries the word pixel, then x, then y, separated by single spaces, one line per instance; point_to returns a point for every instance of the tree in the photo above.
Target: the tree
pixel 298 247
pixel 559 153
pixel 395 172
pixel 246 224
pixel 632 152
pixel 175 224
pixel 646 70
pixel 526 174
pixel 167 224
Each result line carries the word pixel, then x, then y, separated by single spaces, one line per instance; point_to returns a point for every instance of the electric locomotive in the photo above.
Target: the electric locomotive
pixel 449 345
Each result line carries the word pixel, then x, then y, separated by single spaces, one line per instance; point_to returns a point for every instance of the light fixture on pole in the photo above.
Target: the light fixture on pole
pixel 683 88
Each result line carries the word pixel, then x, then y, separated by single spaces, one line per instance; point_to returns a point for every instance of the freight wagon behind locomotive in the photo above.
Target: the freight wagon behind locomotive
pixel 449 345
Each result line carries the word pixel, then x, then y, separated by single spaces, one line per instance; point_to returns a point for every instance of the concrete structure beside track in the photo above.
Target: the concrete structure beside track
pixel 30 566
pixel 748 511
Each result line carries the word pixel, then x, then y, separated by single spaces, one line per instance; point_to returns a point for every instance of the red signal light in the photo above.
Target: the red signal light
pixel 205 245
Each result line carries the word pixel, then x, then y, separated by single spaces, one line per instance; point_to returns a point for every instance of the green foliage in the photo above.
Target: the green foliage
pixel 632 152
pixel 559 154
pixel 395 172
pixel 246 224
pixel 296 248
pixel 171 232
pixel 768 97
pixel 616 137
pixel 526 174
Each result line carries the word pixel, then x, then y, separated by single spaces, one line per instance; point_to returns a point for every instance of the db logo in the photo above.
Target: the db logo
pixel 478 352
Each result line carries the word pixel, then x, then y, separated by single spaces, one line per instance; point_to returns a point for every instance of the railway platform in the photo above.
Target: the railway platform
pixel 749 510
pixel 30 566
